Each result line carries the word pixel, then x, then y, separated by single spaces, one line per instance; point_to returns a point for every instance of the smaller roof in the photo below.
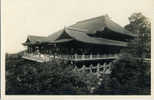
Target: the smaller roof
pixel 55 36
pixel 35 39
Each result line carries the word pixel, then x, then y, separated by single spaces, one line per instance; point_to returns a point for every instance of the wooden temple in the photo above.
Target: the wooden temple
pixel 90 45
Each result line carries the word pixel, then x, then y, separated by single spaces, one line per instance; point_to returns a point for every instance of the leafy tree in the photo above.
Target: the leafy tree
pixel 141 26
pixel 130 74
pixel 131 71
pixel 27 77
pixel 55 77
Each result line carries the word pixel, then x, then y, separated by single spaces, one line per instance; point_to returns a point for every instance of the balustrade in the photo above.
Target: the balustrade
pixel 105 68
pixel 75 57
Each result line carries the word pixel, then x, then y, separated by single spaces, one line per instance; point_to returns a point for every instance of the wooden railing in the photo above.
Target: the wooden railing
pixel 46 57
pixel 36 57
pixel 87 57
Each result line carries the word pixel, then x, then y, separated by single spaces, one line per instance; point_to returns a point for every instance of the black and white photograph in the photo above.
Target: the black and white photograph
pixel 77 47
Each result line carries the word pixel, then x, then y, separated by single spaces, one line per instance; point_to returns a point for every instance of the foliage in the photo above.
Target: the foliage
pixel 131 73
pixel 27 77
pixel 89 79
pixel 141 26
pixel 130 76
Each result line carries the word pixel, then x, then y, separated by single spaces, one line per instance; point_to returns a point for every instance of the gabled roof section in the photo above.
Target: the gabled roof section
pixel 82 37
pixel 99 23
pixel 35 39
pixel 55 36
pixel 117 28
pixel 59 37
pixel 91 25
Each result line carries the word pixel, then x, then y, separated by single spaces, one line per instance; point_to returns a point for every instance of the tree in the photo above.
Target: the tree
pixel 130 74
pixel 28 77
pixel 54 77
pixel 141 26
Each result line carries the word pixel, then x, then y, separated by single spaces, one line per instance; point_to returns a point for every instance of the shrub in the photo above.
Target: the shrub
pixel 27 77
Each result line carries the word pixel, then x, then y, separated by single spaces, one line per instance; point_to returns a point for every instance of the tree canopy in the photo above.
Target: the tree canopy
pixel 55 77
pixel 141 26
pixel 130 74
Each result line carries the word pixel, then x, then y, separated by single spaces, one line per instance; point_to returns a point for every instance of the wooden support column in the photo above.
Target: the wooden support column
pixel 90 68
pixel 28 49
pixel 83 56
pixel 83 68
pixel 76 56
pixel 91 56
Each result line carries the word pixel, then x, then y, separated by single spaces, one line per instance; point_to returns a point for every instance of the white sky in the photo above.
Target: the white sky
pixel 43 17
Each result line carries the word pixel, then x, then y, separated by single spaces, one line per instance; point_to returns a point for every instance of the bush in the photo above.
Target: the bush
pixel 27 77
pixel 129 76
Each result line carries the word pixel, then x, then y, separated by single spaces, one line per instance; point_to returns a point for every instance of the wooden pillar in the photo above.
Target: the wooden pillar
pixel 98 66
pixel 91 56
pixel 90 68
pixel 83 56
pixel 76 56
pixel 28 49
pixel 83 68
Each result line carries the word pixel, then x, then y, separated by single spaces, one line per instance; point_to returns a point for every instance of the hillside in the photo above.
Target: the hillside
pixel 28 77
pixel 58 78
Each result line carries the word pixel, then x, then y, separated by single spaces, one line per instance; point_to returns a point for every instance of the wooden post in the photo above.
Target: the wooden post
pixel 75 56
pixel 98 66
pixel 28 49
pixel 83 56
pixel 90 68
pixel 83 68
pixel 98 55
pixel 91 57
pixel 54 54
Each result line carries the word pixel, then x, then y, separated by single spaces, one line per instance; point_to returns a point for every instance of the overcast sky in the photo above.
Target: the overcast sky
pixel 43 17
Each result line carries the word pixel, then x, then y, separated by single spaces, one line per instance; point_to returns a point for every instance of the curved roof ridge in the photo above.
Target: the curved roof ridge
pixel 80 36
pixel 54 36
pixel 77 29
pixel 116 27
pixel 34 37
pixel 99 23
pixel 92 19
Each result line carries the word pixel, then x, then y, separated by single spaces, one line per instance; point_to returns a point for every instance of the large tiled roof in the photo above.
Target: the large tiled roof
pixel 117 28
pixel 91 25
pixel 80 31
pixel 82 37
pixel 99 24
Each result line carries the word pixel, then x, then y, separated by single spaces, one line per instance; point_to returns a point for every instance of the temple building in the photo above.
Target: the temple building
pixel 90 45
